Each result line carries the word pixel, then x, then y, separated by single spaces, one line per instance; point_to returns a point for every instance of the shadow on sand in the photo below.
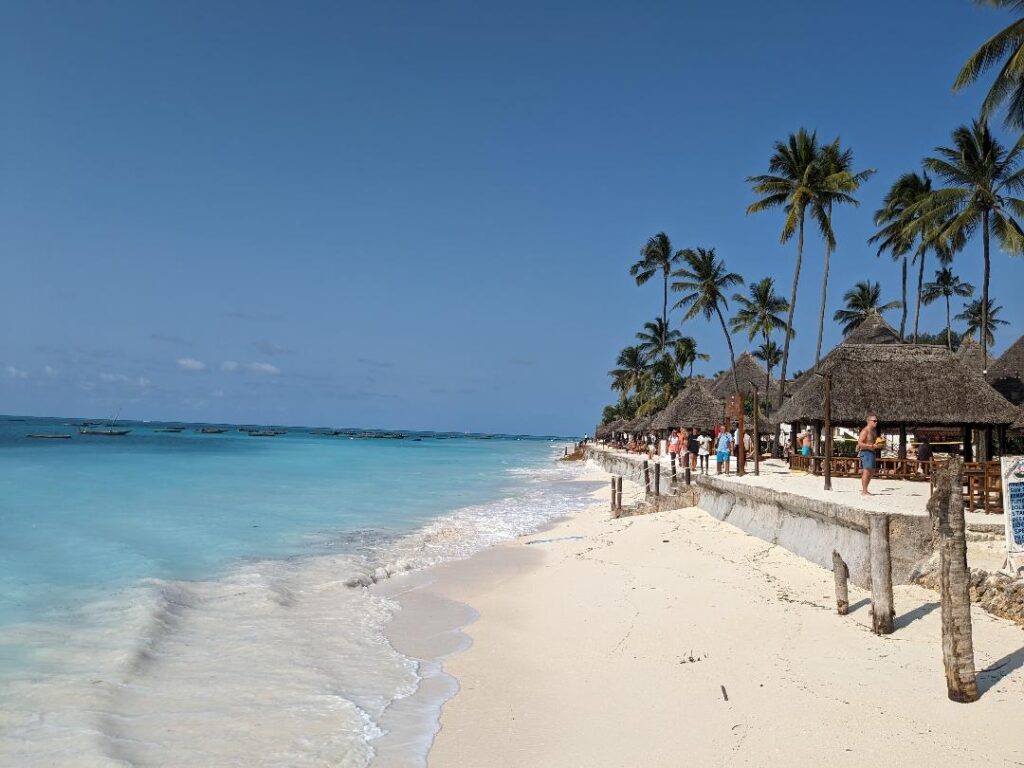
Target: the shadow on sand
pixel 918 613
pixel 997 670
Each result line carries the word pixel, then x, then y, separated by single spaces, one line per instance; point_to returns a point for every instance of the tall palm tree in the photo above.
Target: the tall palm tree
pixel 838 181
pixel 793 183
pixel 902 232
pixel 1009 83
pixel 704 281
pixel 759 312
pixel 687 354
pixel 976 317
pixel 862 301
pixel 657 254
pixel 982 177
pixel 629 374
pixel 770 354
pixel 655 340
pixel 946 285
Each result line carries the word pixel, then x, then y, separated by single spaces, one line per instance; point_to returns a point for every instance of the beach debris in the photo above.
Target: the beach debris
pixel 724 694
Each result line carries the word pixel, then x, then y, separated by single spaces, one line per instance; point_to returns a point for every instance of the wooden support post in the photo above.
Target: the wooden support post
pixel 647 478
pixel 842 574
pixel 903 442
pixel 657 478
pixel 989 440
pixel 618 492
pixel 672 461
pixel 883 611
pixel 741 450
pixel 828 447
pixel 968 452
pixel 757 437
pixel 686 474
pixel 613 493
pixel 946 509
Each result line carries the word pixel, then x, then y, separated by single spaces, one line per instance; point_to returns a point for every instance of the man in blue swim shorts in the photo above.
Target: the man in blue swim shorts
pixel 723 450
pixel 866 448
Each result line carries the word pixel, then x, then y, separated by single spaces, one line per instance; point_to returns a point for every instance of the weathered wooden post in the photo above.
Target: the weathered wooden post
pixel 672 461
pixel 903 442
pixel 618 492
pixel 842 574
pixel 968 451
pixel 946 509
pixel 828 437
pixel 757 438
pixel 657 478
pixel 613 493
pixel 883 611
pixel 686 474
pixel 647 478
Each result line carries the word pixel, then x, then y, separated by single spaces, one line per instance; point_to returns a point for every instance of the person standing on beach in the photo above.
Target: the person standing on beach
pixel 866 448
pixel 724 450
pixel 692 447
pixel 674 446
pixel 703 450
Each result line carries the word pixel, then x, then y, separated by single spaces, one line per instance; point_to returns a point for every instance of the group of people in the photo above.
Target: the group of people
pixel 691 446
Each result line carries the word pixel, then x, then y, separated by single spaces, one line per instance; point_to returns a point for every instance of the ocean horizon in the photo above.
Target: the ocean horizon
pixel 173 593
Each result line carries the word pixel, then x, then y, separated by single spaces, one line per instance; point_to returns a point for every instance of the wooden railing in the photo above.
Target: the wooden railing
pixel 983 489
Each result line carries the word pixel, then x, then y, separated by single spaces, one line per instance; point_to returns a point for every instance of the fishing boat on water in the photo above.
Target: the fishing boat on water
pixel 211 430
pixel 263 433
pixel 174 430
pixel 49 436
pixel 104 431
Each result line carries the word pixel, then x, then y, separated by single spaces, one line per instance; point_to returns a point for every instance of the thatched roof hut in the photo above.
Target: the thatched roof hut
pixel 695 406
pixel 602 432
pixel 639 424
pixel 970 352
pixel 1018 425
pixel 750 375
pixel 1007 373
pixel 905 384
pixel 874 330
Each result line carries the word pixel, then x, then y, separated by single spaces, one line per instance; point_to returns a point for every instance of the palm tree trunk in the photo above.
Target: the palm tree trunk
pixel 903 317
pixel 732 353
pixel 768 373
pixel 949 327
pixel 824 293
pixel 664 311
pixel 776 448
pixel 984 300
pixel 920 289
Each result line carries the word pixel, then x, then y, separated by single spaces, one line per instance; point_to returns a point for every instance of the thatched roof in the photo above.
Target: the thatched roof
pixel 639 424
pixel 1019 423
pixel 695 406
pixel 1007 373
pixel 602 431
pixel 750 375
pixel 970 352
pixel 911 384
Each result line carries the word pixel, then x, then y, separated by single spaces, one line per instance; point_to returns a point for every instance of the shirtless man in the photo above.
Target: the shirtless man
pixel 866 448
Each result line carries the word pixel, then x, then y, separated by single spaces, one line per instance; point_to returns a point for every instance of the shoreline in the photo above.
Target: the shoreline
pixel 606 642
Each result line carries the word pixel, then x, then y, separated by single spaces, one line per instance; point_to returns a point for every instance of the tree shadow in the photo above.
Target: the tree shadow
pixel 863 603
pixel 918 613
pixel 997 670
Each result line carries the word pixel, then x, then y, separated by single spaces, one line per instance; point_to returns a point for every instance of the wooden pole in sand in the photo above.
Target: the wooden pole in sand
pixel 946 509
pixel 842 574
pixel 828 434
pixel 647 478
pixel 672 461
pixel 613 493
pixel 618 492
pixel 883 611
pixel 757 438
pixel 657 478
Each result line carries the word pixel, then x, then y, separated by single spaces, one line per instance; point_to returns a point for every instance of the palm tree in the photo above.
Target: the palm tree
pixel 770 354
pixel 946 285
pixel 655 339
pixel 862 301
pixel 687 354
pixel 982 177
pixel 629 374
pixel 901 233
pixel 1009 83
pixel 793 183
pixel 838 181
pixel 704 282
pixel 975 315
pixel 657 255
pixel 759 312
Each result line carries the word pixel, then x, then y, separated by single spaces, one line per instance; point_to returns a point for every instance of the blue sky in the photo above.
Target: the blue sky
pixel 421 215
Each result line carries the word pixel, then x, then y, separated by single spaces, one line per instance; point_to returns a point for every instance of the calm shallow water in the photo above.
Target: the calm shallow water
pixel 196 599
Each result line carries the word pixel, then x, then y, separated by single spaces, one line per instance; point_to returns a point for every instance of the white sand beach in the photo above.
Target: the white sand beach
pixel 674 639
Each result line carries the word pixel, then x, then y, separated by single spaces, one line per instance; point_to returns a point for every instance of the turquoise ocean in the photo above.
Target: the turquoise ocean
pixel 200 599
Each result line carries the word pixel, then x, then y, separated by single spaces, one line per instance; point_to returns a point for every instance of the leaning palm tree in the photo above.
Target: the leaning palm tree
pixel 703 282
pixel 976 317
pixel 982 178
pixel 657 255
pixel 902 234
pixel 770 354
pixel 946 285
pixel 838 181
pixel 793 183
pixel 656 340
pixel 630 372
pixel 1009 83
pixel 862 301
pixel 686 354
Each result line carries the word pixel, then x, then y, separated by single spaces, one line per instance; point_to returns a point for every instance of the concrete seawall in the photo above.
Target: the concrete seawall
pixel 808 527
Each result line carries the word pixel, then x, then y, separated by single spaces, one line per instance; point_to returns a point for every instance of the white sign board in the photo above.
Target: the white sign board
pixel 1013 507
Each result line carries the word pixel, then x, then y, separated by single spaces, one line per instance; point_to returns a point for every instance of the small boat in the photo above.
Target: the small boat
pixel 263 433
pixel 211 430
pixel 175 430
pixel 49 436
pixel 106 432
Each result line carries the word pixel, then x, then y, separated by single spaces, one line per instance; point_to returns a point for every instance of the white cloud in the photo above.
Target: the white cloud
pixel 265 369
pixel 50 371
pixel 217 393
pixel 15 373
pixel 191 364
pixel 120 378
pixel 229 366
